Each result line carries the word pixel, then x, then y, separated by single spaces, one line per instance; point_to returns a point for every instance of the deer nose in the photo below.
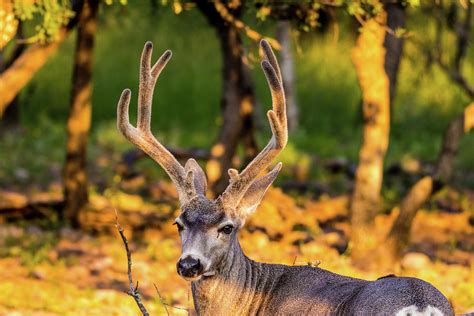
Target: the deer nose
pixel 189 267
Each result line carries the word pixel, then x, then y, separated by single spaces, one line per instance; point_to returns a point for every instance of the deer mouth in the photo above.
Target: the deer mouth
pixel 190 276
pixel 192 279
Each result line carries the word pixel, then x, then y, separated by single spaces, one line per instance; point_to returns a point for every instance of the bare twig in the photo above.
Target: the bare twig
pixel 162 300
pixel 166 305
pixel 133 292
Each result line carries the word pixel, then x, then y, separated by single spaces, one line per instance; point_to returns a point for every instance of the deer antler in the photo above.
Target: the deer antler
pixel 142 137
pixel 240 183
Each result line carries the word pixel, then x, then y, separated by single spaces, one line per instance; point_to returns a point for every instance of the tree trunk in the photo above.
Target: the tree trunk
pixel 13 79
pixel 237 101
pixel 399 236
pixel 11 115
pixel 393 44
pixel 287 67
pixel 420 193
pixel 369 59
pixel 24 66
pixel 79 119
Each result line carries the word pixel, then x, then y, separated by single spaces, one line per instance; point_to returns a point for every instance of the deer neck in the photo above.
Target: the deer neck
pixel 241 286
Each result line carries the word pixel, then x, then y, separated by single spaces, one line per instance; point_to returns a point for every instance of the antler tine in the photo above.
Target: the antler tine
pixel 141 135
pixel 270 56
pixel 239 183
pixel 148 77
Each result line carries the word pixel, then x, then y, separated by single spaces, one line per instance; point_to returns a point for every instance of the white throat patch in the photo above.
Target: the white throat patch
pixel 413 310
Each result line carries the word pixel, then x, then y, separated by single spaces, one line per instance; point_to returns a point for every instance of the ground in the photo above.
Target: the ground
pixel 48 271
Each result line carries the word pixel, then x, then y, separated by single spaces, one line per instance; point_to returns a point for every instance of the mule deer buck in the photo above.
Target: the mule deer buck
pixel 224 280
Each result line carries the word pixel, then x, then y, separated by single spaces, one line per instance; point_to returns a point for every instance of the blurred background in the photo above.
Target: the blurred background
pixel 378 173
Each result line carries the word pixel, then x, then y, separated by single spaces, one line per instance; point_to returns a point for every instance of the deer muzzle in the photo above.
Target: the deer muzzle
pixel 189 268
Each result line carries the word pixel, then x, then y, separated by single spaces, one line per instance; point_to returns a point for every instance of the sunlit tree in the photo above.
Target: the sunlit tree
pixel 51 20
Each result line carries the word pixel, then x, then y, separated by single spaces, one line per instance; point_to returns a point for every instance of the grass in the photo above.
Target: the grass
pixel 50 270
pixel 186 107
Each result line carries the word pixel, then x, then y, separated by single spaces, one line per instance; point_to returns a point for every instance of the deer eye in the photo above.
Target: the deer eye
pixel 227 229
pixel 180 227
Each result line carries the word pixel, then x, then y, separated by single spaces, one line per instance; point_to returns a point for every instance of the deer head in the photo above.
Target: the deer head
pixel 208 228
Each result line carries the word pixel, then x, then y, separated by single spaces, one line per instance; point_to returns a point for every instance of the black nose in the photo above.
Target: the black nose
pixel 189 267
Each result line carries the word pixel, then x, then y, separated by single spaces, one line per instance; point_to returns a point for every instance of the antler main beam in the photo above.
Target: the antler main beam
pixel 190 178
pixel 239 183
pixel 141 135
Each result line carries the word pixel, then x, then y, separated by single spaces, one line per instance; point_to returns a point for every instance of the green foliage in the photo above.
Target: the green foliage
pixel 186 104
pixel 413 3
pixel 364 9
pixel 22 154
pixel 305 14
pixel 48 16
pixel 31 246
pixel 110 2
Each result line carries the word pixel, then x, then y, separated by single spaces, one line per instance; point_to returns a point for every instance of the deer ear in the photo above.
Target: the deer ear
pixel 256 191
pixel 200 182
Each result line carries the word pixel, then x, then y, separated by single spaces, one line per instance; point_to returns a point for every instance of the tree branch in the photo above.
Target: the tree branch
pixel 241 26
pixel 14 78
pixel 462 34
pixel 399 236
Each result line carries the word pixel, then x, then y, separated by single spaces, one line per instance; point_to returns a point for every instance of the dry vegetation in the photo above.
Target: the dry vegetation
pixel 48 271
